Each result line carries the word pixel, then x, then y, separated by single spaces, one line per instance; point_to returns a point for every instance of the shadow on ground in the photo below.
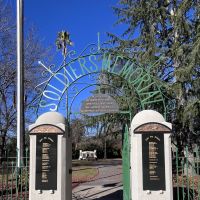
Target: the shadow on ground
pixel 179 194
pixel 118 195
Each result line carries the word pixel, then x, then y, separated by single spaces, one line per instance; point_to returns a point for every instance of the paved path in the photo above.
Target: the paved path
pixel 106 186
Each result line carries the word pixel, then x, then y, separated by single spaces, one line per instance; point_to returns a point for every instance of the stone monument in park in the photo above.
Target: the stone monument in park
pixel 50 159
pixel 151 164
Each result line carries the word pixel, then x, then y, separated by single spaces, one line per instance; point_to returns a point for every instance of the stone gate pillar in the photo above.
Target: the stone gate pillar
pixel 50 159
pixel 151 164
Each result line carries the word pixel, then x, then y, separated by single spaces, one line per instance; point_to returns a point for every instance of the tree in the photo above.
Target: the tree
pixel 33 51
pixel 168 29
pixel 77 131
pixel 108 128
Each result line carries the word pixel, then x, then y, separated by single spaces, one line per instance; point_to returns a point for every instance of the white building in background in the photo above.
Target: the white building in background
pixel 84 155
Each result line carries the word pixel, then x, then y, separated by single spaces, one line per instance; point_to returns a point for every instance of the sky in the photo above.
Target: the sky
pixel 83 19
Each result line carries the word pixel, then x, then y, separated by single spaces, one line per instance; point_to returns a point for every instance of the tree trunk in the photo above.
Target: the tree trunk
pixel 105 148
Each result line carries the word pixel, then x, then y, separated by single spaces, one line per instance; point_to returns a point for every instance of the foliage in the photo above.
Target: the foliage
pixel 113 147
pixel 104 134
pixel 77 131
pixel 171 30
pixel 107 123
pixel 108 127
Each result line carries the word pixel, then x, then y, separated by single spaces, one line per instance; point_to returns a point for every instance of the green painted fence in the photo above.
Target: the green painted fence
pixel 186 174
pixel 126 165
pixel 185 165
pixel 14 180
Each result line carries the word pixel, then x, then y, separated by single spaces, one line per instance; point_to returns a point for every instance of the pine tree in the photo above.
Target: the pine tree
pixel 170 29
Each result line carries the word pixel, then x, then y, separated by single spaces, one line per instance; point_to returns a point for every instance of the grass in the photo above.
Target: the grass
pixel 84 174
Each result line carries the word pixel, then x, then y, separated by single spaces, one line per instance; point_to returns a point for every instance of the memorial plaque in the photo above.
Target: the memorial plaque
pixel 153 161
pixel 100 103
pixel 46 162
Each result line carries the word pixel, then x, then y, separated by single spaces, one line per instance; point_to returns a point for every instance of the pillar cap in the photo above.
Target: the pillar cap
pixel 53 118
pixel 147 116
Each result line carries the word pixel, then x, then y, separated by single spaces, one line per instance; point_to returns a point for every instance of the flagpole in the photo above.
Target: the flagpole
pixel 20 83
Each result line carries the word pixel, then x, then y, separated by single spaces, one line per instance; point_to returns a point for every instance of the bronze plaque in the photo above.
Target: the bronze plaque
pixel 152 127
pixel 100 103
pixel 153 160
pixel 46 162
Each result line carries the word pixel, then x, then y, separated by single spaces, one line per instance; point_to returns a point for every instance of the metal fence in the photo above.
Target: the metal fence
pixel 14 179
pixel 185 165
pixel 126 166
pixel 186 174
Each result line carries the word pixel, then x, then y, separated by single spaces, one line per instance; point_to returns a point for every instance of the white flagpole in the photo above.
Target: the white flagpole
pixel 20 83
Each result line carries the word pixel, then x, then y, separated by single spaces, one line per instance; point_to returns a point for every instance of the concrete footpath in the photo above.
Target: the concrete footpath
pixel 106 186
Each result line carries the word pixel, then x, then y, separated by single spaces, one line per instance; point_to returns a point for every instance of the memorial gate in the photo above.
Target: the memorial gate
pixel 146 153
pixel 133 87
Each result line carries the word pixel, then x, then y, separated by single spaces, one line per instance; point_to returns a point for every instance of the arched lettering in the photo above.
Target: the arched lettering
pixel 53 106
pixel 51 95
pixel 94 66
pixel 106 62
pixel 82 63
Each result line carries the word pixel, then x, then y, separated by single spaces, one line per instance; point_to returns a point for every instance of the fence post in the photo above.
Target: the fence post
pixel 187 176
pixel 16 175
pixel 182 165
pixel 7 174
pixel 198 172
pixel 2 181
pixel 12 181
pixel 26 172
pixel 177 172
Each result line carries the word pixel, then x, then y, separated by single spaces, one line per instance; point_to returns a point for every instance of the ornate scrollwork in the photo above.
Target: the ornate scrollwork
pixel 45 74
pixel 71 55
pixel 53 68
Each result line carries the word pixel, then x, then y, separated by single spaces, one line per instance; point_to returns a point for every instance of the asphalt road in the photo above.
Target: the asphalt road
pixel 106 186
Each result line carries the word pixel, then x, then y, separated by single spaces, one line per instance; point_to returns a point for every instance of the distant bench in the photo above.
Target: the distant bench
pixel 87 155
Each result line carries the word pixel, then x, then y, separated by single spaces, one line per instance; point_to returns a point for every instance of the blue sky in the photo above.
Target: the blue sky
pixel 82 18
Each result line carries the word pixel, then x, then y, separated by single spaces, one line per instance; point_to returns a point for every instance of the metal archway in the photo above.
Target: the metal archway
pixel 79 71
pixel 59 79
